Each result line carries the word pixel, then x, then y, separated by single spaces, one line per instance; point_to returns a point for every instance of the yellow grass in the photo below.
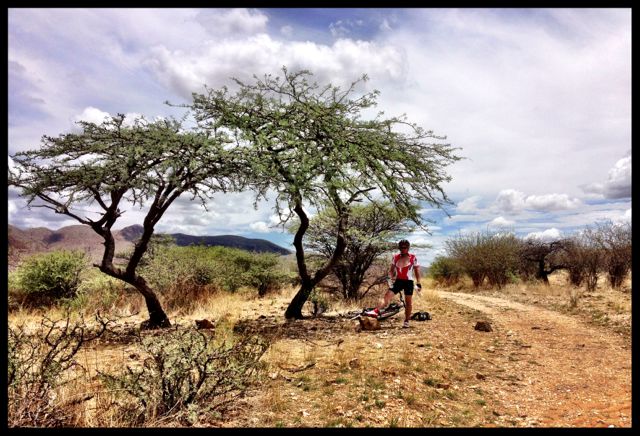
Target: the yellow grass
pixel 390 378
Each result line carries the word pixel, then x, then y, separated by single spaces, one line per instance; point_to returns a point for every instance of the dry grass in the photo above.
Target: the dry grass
pixel 604 307
pixel 324 373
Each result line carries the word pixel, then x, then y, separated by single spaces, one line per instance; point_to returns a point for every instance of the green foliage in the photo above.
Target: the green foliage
pixel 125 162
pixel 309 141
pixel 372 231
pixel 49 277
pixel 186 375
pixel 187 269
pixel 445 271
pixel 310 145
pixel 320 301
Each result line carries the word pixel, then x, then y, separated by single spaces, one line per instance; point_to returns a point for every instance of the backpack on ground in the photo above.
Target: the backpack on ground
pixel 421 316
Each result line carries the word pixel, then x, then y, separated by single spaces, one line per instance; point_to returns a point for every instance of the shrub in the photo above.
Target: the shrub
pixel 98 291
pixel 615 242
pixel 583 259
pixel 445 271
pixel 266 273
pixel 320 301
pixel 182 273
pixel 46 278
pixel 186 376
pixel 39 363
pixel 486 255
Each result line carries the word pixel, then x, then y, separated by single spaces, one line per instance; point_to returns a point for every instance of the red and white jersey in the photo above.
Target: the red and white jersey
pixel 405 273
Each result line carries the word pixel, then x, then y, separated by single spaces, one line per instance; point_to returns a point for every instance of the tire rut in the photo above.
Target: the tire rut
pixel 550 369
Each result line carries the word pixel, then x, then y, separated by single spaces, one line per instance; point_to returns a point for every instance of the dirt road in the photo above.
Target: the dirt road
pixel 551 369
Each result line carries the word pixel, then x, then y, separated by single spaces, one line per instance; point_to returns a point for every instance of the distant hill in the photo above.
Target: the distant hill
pixel 259 245
pixel 81 237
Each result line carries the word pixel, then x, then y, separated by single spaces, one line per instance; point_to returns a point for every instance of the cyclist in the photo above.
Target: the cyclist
pixel 404 269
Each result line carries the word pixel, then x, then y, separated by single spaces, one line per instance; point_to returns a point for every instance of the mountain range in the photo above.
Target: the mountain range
pixel 81 237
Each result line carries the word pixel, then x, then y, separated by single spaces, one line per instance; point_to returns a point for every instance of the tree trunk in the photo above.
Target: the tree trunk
pixel 542 274
pixel 157 316
pixel 294 311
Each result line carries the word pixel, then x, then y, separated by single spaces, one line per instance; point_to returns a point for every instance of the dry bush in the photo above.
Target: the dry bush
pixel 539 259
pixel 186 376
pixel 445 271
pixel 40 363
pixel 584 260
pixel 615 241
pixel 493 256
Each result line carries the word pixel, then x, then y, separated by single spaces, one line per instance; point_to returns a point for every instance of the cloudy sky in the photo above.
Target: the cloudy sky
pixel 538 100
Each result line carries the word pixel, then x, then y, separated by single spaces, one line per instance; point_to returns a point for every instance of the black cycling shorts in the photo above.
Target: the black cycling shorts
pixel 403 285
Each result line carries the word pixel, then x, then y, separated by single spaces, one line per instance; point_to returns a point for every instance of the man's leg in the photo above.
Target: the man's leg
pixel 407 307
pixel 387 299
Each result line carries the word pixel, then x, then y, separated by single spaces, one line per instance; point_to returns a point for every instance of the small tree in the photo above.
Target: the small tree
pixel 583 259
pixel 467 251
pixel 310 145
pixel 615 241
pixel 372 230
pixel 486 255
pixel 544 255
pixel 501 260
pixel 114 163
pixel 446 271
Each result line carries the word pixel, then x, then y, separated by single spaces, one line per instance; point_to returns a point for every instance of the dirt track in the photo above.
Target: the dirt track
pixel 557 371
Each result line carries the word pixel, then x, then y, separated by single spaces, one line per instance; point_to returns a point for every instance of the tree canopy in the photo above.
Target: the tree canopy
pixel 115 163
pixel 311 145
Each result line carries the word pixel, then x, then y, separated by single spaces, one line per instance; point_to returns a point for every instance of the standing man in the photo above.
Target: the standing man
pixel 404 270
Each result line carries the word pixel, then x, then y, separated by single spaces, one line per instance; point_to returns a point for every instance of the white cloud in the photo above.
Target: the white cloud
pixel 260 227
pixel 12 208
pixel 594 189
pixel 510 200
pixel 343 28
pixel 501 222
pixel 618 184
pixel 552 234
pixel 92 115
pixel 385 26
pixel 623 219
pixel 551 202
pixel 469 204
pixel 286 31
pixel 232 22
pixel 215 62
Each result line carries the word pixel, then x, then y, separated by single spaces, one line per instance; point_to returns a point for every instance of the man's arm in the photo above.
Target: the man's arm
pixel 392 275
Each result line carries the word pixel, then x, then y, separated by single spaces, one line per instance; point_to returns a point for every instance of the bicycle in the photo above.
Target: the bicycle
pixel 391 310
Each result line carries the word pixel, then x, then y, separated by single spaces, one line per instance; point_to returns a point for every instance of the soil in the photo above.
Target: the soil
pixel 541 365
pixel 536 368
pixel 582 376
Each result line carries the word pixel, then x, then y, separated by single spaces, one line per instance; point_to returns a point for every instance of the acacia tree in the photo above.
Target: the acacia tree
pixel 309 145
pixel 115 163
pixel 372 230
pixel 545 255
